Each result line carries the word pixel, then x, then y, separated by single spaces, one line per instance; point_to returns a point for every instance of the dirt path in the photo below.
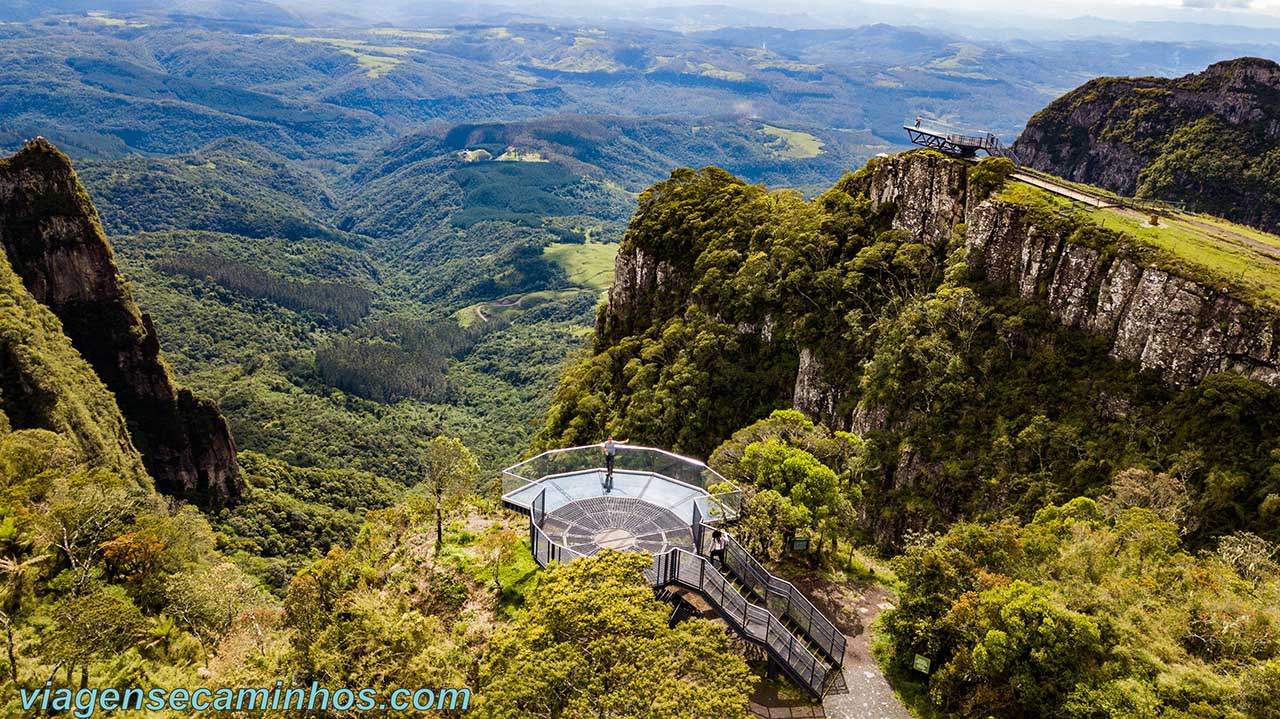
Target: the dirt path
pixel 867 694
pixel 1086 198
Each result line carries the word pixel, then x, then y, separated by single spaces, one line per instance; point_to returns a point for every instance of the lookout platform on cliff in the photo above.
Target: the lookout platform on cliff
pixel 954 143
pixel 669 506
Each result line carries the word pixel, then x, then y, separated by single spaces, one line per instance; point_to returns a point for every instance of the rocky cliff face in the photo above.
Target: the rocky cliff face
pixel 1182 329
pixel 1175 326
pixel 927 190
pixel 1211 140
pixel 643 286
pixel 46 385
pixel 1172 325
pixel 54 242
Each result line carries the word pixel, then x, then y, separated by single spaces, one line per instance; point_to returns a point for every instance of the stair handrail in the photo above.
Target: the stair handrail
pixel 794 656
pixel 807 669
pixel 824 633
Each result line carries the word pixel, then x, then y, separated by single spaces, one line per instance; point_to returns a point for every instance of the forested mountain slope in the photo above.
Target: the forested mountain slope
pixel 46 385
pixel 51 234
pixel 1210 140
pixel 994 353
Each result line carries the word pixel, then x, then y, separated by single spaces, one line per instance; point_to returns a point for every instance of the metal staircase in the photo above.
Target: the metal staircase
pixel 780 597
pixel 760 607
pixel 786 648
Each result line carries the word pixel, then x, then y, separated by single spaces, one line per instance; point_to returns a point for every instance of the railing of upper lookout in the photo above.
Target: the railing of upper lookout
pixel 723 501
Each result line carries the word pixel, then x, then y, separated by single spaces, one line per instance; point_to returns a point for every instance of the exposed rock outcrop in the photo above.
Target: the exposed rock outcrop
pixel 643 286
pixel 1176 326
pixel 927 190
pixel 51 235
pixel 815 395
pixel 46 385
pixel 1180 328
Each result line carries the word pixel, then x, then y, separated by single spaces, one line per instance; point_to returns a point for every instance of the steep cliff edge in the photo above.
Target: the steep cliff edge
pixel 54 242
pixel 994 346
pixel 1179 327
pixel 1183 328
pixel 46 385
pixel 1211 140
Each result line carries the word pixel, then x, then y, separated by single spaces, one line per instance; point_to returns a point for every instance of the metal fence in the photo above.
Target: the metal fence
pixel 696 572
pixel 693 571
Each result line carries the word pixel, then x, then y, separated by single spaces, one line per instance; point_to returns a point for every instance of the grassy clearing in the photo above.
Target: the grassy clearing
pixel 767 60
pixel 517 575
pixel 411 34
pixel 1215 255
pixel 107 19
pixel 584 60
pixel 375 60
pixel 709 70
pixel 964 62
pixel 791 144
pixel 1233 261
pixel 587 265
pixel 509 307
pixel 514 155
pixel 1250 232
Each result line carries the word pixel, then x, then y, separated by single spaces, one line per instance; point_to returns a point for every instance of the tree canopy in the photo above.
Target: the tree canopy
pixel 594 642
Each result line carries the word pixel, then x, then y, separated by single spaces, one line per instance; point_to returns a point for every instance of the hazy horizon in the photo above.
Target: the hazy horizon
pixel 938 14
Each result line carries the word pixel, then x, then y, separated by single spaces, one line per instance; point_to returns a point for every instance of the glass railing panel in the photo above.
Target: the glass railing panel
pixel 629 457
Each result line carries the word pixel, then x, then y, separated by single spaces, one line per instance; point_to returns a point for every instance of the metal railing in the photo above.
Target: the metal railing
pixel 693 571
pixel 715 506
pixel 780 597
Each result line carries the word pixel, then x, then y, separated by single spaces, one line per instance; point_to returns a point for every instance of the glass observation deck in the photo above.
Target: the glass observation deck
pixel 664 504
pixel 654 477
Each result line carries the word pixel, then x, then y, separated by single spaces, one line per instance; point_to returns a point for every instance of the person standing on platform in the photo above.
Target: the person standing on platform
pixel 610 447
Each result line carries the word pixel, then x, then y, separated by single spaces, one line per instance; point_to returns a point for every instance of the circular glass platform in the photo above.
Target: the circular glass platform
pixel 616 522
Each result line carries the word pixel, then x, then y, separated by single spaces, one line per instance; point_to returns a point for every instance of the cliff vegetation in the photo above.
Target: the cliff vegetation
pixel 993 357
pixel 1208 139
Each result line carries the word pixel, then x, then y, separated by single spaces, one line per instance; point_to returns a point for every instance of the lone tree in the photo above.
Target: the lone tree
pixel 497 548
pixel 450 475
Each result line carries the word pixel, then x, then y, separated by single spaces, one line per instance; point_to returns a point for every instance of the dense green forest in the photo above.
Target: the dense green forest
pixel 1092 609
pixel 984 406
pixel 381 251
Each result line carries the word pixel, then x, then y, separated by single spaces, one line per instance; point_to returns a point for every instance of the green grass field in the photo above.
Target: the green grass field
pixel 587 265
pixel 1217 252
pixel 1233 262
pixel 510 307
pixel 791 144
pixel 375 60
pixel 1255 234
pixel 441 34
